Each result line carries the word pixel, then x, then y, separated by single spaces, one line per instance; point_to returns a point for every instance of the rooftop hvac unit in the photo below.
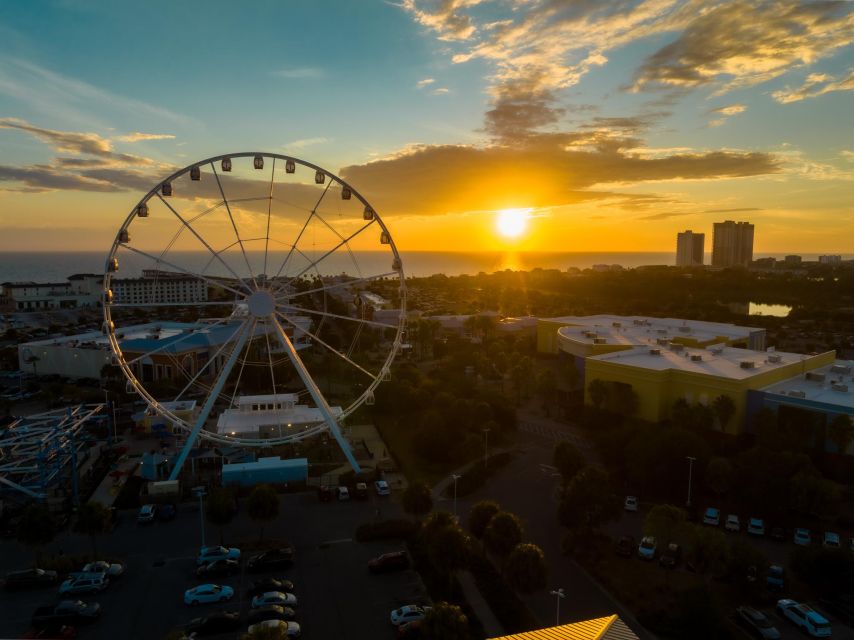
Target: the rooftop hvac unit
pixel 747 364
pixel 797 393
pixel 696 357
pixel 600 341
pixel 815 376
pixel 675 346
pixel 616 325
pixel 775 357
pixel 684 329
pixel 717 349
pixel 843 388
pixel 663 341
pixel 840 368
pixel 655 352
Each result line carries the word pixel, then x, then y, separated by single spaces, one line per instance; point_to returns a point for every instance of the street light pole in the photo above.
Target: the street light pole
pixel 485 447
pixel 690 474
pixel 200 494
pixel 455 477
pixel 559 595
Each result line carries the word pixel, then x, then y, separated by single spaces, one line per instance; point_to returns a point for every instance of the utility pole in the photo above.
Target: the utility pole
pixel 200 493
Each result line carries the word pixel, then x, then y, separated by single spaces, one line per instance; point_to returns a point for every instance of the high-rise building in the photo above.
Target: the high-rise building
pixel 689 249
pixel 732 244
pixel 830 259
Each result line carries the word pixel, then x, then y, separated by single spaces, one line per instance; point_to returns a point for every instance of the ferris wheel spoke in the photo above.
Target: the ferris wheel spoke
pixel 291 307
pixel 148 305
pixel 341 285
pixel 243 364
pixel 294 245
pixel 215 254
pixel 316 338
pixel 211 281
pixel 174 342
pixel 241 329
pixel 270 357
pixel 233 224
pixel 269 211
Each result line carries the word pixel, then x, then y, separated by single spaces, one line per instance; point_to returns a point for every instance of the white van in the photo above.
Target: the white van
pixel 343 494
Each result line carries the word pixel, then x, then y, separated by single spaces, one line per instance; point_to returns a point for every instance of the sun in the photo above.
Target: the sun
pixel 512 223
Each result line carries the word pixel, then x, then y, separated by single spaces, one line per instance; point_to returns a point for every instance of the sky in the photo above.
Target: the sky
pixel 598 125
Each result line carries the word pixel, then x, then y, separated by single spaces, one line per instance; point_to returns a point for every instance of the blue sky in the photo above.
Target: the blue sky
pixel 653 115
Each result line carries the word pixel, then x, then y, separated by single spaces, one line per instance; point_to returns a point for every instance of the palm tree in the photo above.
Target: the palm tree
pixel 526 568
pixel 480 515
pixel 220 509
pixel 502 534
pixel 263 505
pixel 724 409
pixel 598 391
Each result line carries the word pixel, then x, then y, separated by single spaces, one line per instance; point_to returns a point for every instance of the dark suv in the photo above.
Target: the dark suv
pixel 395 561
pixel 31 578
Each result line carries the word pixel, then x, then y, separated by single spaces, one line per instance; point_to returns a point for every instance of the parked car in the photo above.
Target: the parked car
pixel 290 629
pixel 147 513
pixel 30 579
pixel 671 557
pixel 112 569
pixel 361 491
pixel 324 493
pixel 214 623
pixel 66 612
pixel 831 540
pixel 712 517
pixel 805 618
pixel 220 567
pixel 802 537
pixel 756 527
pixel 166 512
pixel 205 593
pixel 209 554
pixel 631 503
pixel 776 578
pixel 84 583
pixel 394 561
pixel 647 548
pixel 842 605
pixel 408 613
pixel 625 546
pixel 756 623
pixel 382 488
pixel 274 597
pixel 272 559
pixel 270 612
pixel 264 585
pixel 343 494
pixel 732 523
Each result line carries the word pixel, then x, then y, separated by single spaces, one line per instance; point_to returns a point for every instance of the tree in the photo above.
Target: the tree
pixel 588 500
pixel 36 528
pixel 719 475
pixel 624 399
pixel 841 433
pixel 526 568
pixel 444 622
pixel 265 633
pixel 707 550
pixel 724 409
pixel 263 505
pixel 502 534
pixel 220 509
pixel 568 460
pixel 664 522
pixel 417 499
pixel 681 414
pixel 547 388
pixel 479 516
pixel 93 519
pixel 448 551
pixel 810 493
pixel 598 391
pixel 767 432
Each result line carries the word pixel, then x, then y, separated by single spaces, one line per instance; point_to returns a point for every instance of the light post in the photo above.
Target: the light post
pixel 200 493
pixel 113 407
pixel 559 595
pixel 455 477
pixel 485 447
pixel 690 473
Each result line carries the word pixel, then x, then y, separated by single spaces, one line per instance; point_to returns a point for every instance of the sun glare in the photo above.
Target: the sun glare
pixel 512 223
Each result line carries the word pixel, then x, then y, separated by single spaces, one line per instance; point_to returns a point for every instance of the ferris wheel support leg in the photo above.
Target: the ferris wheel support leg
pixel 318 398
pixel 209 403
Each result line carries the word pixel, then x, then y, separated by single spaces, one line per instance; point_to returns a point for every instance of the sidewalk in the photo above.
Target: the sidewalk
pixel 482 610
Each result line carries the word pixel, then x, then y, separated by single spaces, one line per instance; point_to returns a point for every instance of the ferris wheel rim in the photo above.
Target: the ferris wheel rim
pixel 310 429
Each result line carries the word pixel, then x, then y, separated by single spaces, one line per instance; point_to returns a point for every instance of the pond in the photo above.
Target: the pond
pixel 776 310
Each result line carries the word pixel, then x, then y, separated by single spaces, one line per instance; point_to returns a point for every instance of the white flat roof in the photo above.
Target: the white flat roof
pixel 725 362
pixel 637 329
pixel 238 421
pixel 802 388
pixel 269 398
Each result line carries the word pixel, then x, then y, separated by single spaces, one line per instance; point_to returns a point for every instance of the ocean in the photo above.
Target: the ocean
pixel 56 267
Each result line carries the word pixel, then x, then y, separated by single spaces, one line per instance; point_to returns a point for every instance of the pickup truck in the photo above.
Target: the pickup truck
pixel 66 612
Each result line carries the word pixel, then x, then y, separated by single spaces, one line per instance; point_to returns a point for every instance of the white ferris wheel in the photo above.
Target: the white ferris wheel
pixel 261 290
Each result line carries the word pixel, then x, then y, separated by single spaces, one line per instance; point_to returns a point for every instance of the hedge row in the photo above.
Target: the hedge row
pixel 476 476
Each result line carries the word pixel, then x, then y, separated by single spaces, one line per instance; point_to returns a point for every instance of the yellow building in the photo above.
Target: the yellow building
pixel 606 628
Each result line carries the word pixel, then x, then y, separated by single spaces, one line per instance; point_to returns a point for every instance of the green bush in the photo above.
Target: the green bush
pixel 386 530
pixel 511 612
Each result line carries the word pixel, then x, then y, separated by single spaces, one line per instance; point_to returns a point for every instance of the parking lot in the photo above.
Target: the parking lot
pixel 338 598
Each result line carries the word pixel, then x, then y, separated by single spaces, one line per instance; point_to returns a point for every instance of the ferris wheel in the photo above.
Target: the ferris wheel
pixel 254 299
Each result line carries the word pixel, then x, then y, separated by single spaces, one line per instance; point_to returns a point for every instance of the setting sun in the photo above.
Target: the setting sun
pixel 512 223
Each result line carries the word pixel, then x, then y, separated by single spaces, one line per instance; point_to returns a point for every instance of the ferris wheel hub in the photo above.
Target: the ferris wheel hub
pixel 261 304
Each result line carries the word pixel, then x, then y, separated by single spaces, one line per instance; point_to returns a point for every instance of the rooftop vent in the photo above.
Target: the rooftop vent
pixel 696 357
pixel 797 393
pixel 663 341
pixel 655 352
pixel 843 388
pixel 747 364
pixel 815 376
pixel 841 368
pixel 717 349
pixel 775 357
pixel 675 346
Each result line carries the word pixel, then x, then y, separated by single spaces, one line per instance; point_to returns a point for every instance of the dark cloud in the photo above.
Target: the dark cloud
pixel 665 215
pixel 41 177
pixel 736 210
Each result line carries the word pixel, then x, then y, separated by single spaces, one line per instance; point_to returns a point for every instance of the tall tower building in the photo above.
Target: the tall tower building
pixel 732 244
pixel 689 249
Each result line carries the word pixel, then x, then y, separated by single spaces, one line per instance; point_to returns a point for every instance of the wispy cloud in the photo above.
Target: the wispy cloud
pixel 306 142
pixel 726 112
pixel 439 91
pixel 734 210
pixel 816 84
pixel 423 83
pixel 445 17
pixel 299 72
pixel 140 137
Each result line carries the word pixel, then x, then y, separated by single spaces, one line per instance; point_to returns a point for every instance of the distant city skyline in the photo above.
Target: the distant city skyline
pixel 471 125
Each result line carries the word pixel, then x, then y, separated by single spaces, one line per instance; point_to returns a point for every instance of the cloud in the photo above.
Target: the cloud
pixel 445 17
pixel 440 91
pixel 666 215
pixel 305 142
pixel 139 137
pixel 735 210
pixel 41 177
pixel 726 112
pixel 423 83
pixel 740 44
pixel 299 72
pixel 848 155
pixel 816 84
